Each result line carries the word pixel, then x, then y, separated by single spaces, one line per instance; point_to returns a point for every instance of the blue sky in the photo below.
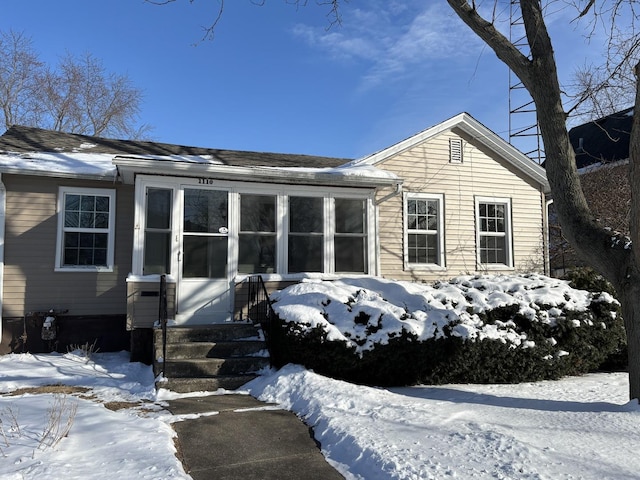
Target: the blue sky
pixel 275 79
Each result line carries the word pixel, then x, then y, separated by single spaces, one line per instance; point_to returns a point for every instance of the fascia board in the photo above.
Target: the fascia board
pixel 52 174
pixel 128 167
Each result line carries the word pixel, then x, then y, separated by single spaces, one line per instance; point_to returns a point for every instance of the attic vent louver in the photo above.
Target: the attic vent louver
pixel 455 150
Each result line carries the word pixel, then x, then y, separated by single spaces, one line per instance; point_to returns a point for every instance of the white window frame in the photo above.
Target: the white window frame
pixel 282 193
pixel 508 233
pixel 329 196
pixel 440 265
pixel 103 192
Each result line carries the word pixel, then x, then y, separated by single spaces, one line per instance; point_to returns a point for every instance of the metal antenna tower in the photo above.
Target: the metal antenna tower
pixel 524 132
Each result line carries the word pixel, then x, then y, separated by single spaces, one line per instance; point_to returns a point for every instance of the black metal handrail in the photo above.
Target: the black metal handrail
pixel 259 307
pixel 163 317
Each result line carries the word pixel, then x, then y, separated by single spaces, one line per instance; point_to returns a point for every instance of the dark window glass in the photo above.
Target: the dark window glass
pixel 205 257
pixel 205 211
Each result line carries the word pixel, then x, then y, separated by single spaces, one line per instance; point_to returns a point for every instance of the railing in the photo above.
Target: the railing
pixel 162 317
pixel 259 307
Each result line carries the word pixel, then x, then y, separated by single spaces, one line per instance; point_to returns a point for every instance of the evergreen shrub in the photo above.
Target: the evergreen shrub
pixel 572 343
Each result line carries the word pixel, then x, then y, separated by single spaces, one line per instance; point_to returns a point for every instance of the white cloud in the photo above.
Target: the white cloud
pixel 394 39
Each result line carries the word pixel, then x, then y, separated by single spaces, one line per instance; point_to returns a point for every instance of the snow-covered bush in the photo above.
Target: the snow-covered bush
pixel 470 329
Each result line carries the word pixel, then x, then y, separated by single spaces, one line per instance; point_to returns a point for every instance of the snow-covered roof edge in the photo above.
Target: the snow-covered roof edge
pixel 347 175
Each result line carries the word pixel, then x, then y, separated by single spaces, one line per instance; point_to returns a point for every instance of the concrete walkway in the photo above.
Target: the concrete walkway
pixel 247 439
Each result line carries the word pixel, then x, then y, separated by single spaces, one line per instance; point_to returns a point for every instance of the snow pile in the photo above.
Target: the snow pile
pixel 364 312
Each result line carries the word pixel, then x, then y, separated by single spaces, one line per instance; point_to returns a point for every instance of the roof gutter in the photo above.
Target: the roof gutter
pixel 129 167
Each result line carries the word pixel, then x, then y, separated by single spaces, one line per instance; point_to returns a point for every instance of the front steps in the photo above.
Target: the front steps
pixel 209 357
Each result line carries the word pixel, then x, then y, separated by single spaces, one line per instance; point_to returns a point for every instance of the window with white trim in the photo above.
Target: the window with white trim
pixel 493 220
pixel 306 234
pixel 327 234
pixel 424 230
pixel 350 235
pixel 257 248
pixel 86 226
pixel 157 231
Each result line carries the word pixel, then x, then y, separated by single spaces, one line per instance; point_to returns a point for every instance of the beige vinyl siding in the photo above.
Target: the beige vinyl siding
pixel 30 243
pixel 143 303
pixel 425 168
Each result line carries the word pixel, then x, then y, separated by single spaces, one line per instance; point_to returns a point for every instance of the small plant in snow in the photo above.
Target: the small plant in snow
pixel 9 427
pixel 60 417
pixel 86 350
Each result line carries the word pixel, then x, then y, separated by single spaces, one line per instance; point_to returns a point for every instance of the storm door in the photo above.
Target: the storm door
pixel 204 292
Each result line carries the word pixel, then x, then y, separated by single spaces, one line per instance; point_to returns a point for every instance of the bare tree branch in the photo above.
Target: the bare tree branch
pixel 334 15
pixel 77 96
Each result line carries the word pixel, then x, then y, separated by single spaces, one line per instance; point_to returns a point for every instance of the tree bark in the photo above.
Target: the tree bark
pixel 605 252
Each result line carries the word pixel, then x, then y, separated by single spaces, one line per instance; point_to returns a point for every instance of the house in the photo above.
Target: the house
pixel 602 156
pixel 604 140
pixel 90 225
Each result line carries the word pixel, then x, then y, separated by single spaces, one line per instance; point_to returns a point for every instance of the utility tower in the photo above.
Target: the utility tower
pixel 524 132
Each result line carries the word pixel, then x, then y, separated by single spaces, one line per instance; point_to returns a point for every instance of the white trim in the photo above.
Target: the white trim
pixel 3 217
pixel 508 234
pixel 103 192
pixel 441 264
pixel 282 194
pixel 479 132
pixel 348 175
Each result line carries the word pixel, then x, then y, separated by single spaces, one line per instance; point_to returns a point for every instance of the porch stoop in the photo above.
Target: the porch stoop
pixel 209 357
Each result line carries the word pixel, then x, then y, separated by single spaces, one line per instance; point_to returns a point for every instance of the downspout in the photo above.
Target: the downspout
pixel 546 240
pixel 396 191
pixel 3 209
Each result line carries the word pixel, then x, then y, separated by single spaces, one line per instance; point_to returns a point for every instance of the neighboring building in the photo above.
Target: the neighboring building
pixel 89 224
pixel 605 140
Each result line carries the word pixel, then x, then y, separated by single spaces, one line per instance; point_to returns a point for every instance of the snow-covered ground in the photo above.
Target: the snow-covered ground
pixel 104 444
pixel 575 428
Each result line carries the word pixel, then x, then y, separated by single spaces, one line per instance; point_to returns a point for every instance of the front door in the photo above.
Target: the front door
pixel 204 288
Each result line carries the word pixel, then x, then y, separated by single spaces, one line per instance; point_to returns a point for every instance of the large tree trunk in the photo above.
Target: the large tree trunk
pixel 599 247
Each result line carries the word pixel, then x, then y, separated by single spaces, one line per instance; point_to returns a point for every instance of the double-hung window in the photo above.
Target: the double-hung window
pixel 86 226
pixel 424 230
pixel 493 220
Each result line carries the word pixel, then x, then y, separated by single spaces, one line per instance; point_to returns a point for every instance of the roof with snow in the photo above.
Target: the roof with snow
pixel 22 139
pixel 34 151
pixel 604 140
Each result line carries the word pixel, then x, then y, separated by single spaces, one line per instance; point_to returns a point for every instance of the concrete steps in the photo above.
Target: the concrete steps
pixel 209 357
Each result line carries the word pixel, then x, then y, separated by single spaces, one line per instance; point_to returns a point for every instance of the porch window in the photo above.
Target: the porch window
pixel 424 230
pixel 85 229
pixel 350 238
pixel 494 231
pixel 306 234
pixel 257 238
pixel 157 238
